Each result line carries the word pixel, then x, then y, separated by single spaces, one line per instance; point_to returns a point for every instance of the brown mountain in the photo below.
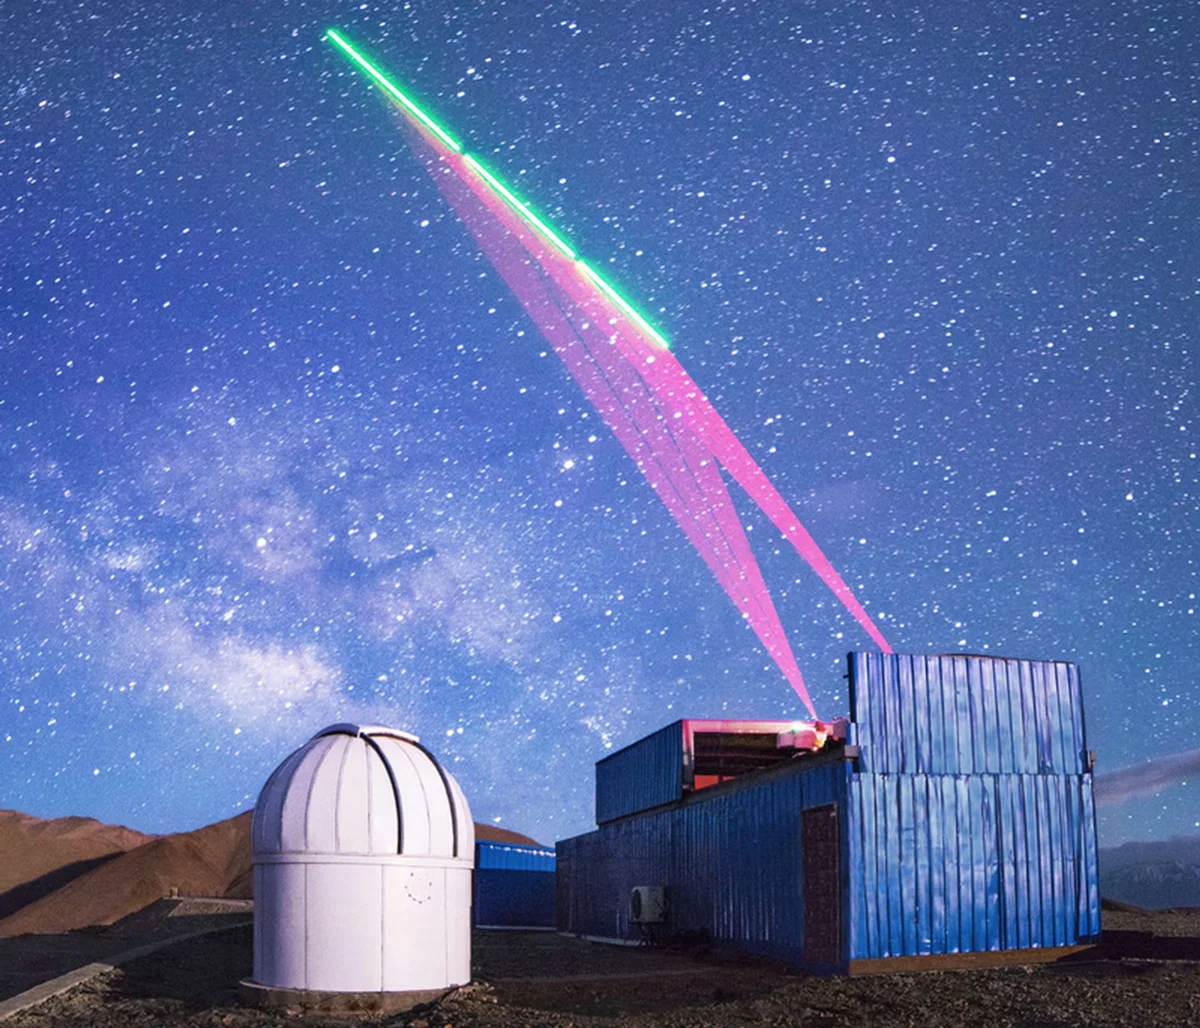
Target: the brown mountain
pixel 34 847
pixel 205 862
pixel 133 872
pixel 40 856
pixel 490 833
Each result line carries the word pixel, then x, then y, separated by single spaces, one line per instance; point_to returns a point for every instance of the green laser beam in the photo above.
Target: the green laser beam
pixel 626 307
pixel 521 207
pixel 501 190
pixel 393 91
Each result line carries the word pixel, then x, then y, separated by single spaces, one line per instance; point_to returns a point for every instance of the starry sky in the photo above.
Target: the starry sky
pixel 278 448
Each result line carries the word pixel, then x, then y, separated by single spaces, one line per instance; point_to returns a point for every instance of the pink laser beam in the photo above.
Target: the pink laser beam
pixel 679 469
pixel 685 397
pixel 657 412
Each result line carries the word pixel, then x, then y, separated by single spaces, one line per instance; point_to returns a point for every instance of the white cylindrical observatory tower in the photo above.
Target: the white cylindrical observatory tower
pixel 363 849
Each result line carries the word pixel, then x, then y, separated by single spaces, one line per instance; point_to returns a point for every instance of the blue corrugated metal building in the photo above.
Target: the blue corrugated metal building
pixel 514 886
pixel 956 820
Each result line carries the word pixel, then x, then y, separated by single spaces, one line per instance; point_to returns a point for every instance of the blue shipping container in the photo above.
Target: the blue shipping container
pixel 660 768
pixel 511 856
pixel 647 774
pixel 966 715
pixel 514 886
pixel 959 820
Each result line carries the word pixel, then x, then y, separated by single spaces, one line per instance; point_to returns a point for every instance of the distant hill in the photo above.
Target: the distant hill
pixel 1153 874
pixel 33 846
pixel 40 856
pixel 72 873
pixel 206 862
pixel 490 833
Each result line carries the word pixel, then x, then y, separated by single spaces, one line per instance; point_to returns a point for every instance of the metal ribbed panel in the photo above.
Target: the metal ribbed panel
pixel 266 824
pixel 512 857
pixel 383 810
pixel 325 795
pixel 462 814
pixel 970 863
pixel 514 885
pixel 967 825
pixel 963 715
pixel 342 792
pixel 356 809
pixel 646 774
pixel 296 806
pixel 731 863
pixel 425 810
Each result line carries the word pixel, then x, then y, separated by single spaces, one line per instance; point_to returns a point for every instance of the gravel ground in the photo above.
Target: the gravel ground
pixel 1147 974
pixel 29 960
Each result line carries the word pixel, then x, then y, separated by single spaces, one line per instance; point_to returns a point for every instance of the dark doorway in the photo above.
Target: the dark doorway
pixel 821 853
pixel 564 912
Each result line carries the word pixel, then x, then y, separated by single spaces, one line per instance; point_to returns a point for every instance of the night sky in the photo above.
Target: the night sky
pixel 279 448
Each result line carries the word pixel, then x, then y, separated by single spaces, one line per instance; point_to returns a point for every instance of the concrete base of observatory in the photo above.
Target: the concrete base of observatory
pixel 270 998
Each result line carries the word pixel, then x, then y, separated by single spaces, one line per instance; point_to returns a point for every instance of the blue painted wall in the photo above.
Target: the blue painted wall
pixel 730 861
pixel 973 827
pixel 646 774
pixel 970 863
pixel 966 715
pixel 511 856
pixel 514 886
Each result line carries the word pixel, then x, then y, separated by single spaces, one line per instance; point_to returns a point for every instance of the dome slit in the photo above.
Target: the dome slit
pixel 387 766
pixel 449 793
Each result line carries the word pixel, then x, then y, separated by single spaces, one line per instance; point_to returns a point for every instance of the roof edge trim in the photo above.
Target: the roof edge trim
pixel 349 728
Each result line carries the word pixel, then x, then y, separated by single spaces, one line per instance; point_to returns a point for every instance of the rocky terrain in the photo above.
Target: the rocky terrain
pixel 1147 973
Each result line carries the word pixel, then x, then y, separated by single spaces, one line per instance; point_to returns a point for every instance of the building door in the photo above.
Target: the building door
pixel 564 894
pixel 821 855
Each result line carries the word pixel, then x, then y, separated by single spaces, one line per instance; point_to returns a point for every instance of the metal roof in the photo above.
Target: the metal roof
pixel 362 790
pixel 666 764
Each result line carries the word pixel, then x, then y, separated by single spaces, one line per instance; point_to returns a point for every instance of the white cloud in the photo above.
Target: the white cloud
pixel 470 598
pixel 264 573
pixel 253 681
pixel 237 491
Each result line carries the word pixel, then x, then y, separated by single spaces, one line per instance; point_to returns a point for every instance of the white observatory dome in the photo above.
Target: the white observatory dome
pixel 363 849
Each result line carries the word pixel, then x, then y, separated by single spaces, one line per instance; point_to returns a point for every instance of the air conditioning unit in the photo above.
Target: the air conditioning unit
pixel 648 904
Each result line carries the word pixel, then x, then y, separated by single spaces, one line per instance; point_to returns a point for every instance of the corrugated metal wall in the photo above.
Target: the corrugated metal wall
pixel 972 821
pixel 514 886
pixel 971 863
pixel 731 863
pixel 963 715
pixel 513 856
pixel 967 824
pixel 646 774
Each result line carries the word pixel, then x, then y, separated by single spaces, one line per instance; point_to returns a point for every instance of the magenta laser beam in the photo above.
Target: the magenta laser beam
pixel 654 408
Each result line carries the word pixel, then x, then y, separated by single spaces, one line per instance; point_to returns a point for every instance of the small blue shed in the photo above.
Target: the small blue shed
pixel 514 886
pixel 953 826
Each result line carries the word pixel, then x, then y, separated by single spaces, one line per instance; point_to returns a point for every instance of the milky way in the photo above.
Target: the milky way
pixel 280 448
